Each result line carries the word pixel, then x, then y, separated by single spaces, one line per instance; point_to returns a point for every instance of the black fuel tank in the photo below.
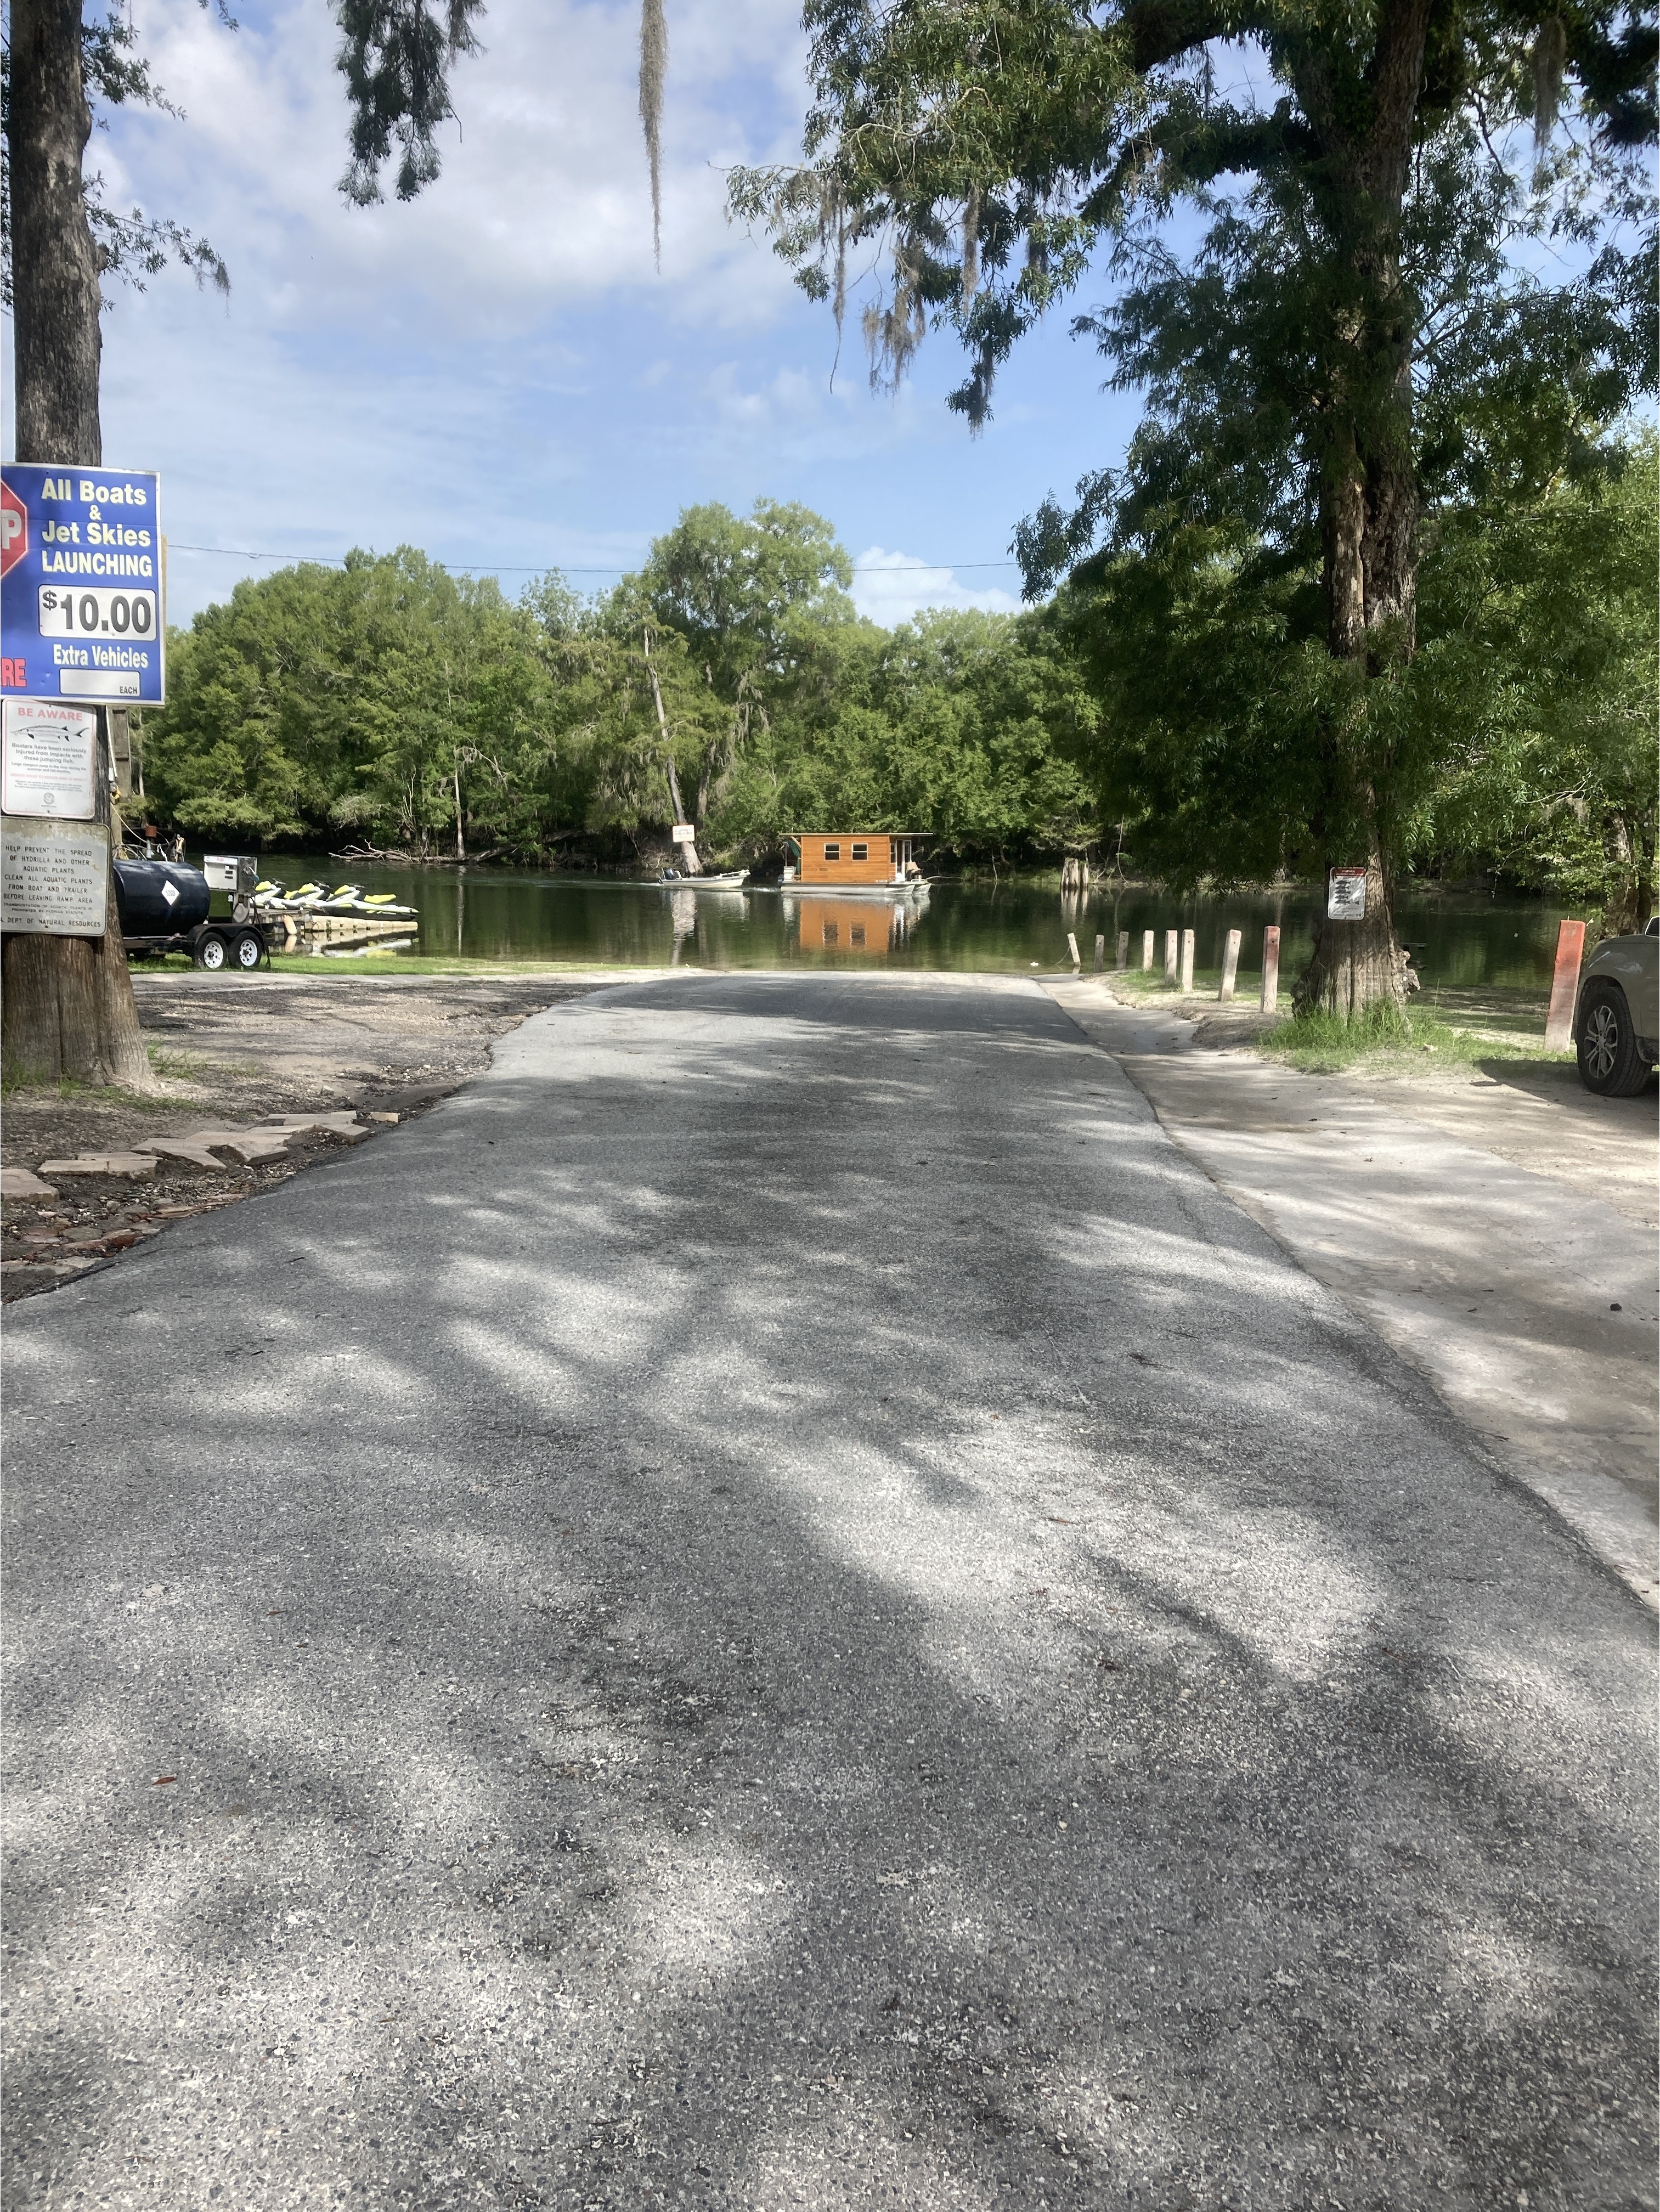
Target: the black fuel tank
pixel 141 896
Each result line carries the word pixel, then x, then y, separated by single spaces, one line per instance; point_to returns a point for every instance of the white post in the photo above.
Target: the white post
pixel 1123 948
pixel 1146 948
pixel 1171 940
pixel 1072 947
pixel 1100 954
pixel 1186 960
pixel 1230 964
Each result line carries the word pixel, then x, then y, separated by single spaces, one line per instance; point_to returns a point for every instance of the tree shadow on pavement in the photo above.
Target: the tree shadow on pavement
pixel 731 1636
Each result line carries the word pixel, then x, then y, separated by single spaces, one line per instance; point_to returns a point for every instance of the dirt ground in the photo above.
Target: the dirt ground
pixel 228 1051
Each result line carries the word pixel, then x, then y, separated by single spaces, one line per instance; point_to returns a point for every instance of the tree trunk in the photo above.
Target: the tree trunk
pixel 1369 514
pixel 55 263
pixel 1368 495
pixel 66 1003
pixel 1357 965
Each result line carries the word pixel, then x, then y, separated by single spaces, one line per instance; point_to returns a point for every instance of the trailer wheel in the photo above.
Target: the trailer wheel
pixel 210 951
pixel 247 948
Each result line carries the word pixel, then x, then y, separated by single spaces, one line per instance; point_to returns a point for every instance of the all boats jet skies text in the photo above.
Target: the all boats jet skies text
pixel 81 614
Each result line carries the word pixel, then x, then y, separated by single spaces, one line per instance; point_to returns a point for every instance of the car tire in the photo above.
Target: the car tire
pixel 247 949
pixel 210 950
pixel 1610 1062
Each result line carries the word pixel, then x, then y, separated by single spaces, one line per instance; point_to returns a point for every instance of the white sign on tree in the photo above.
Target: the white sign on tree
pixel 51 761
pixel 1345 895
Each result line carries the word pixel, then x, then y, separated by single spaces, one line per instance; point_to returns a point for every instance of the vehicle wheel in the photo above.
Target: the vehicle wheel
pixel 247 950
pixel 210 951
pixel 1610 1062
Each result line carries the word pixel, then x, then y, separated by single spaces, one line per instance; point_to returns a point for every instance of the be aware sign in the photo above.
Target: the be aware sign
pixel 48 760
pixel 81 611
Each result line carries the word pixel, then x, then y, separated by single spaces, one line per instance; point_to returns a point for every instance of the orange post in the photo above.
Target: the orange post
pixel 1565 986
pixel 1271 968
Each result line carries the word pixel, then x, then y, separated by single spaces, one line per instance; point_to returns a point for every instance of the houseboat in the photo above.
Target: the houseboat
pixel 882 862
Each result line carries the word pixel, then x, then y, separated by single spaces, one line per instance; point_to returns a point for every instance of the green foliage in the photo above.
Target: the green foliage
pixel 1538 678
pixel 1520 738
pixel 729 683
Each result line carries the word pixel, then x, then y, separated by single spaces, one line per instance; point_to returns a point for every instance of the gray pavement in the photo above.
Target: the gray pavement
pixel 781 1604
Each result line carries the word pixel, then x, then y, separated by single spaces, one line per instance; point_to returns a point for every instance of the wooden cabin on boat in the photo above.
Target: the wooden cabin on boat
pixel 857 857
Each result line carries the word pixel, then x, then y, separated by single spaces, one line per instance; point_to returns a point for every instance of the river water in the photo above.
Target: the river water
pixel 1460 942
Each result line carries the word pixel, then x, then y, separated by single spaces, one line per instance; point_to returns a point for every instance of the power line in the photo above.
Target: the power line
pixel 500 569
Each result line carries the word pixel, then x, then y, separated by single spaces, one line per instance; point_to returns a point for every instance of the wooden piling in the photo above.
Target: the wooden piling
pixel 1565 986
pixel 1100 954
pixel 1072 947
pixel 1187 959
pixel 1123 948
pixel 1270 968
pixel 1230 964
pixel 1146 948
pixel 1171 940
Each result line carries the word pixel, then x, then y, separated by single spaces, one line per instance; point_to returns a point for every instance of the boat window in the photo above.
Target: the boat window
pixel 832 852
pixel 861 852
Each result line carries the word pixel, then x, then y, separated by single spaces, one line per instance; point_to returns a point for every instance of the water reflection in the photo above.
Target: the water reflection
pixel 524 915
pixel 874 927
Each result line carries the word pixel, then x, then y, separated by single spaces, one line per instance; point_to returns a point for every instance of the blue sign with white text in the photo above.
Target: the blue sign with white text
pixel 81 611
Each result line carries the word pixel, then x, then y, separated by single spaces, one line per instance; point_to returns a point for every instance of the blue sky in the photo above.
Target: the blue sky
pixel 496 372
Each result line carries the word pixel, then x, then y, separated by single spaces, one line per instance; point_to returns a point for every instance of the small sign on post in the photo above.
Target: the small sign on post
pixel 51 761
pixel 1271 968
pixel 683 833
pixel 1230 964
pixel 1565 986
pixel 1345 895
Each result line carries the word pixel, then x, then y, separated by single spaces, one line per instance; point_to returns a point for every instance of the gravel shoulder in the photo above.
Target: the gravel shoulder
pixel 1494 1224
pixel 227 1051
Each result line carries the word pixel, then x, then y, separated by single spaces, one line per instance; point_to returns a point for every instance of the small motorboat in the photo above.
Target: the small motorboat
pixel 730 879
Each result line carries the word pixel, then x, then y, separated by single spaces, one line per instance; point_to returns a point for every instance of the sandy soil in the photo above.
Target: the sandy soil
pixel 230 1050
pixel 1494 1223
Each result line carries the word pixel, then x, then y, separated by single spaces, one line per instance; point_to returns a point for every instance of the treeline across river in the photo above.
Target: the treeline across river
pixel 1159 712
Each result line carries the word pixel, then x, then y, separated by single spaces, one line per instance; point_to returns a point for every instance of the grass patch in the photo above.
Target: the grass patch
pixel 1391 1041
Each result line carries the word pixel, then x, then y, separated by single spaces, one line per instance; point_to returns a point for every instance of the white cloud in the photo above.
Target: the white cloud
pixel 892 587
pixel 544 196
pixel 495 372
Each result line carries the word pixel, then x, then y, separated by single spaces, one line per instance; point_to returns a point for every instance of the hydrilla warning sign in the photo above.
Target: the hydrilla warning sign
pixel 54 880
pixel 81 614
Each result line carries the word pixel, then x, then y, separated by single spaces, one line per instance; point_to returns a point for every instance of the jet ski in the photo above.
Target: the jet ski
pixel 350 898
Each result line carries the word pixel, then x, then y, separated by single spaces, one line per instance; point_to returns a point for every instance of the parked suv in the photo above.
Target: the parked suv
pixel 1616 1022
